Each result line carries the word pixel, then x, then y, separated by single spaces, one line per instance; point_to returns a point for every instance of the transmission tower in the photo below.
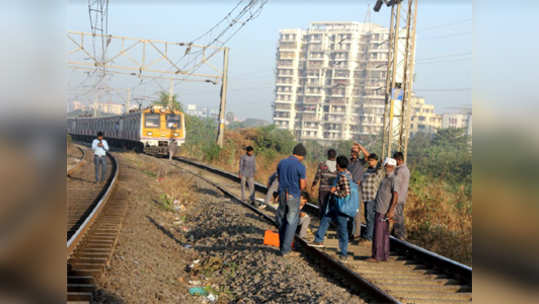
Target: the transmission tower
pixel 399 76
pixel 98 11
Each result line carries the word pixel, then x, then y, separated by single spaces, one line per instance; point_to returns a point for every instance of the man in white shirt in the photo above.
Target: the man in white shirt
pixel 100 148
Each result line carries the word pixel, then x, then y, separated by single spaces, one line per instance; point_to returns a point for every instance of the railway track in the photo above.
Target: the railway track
pixel 77 162
pixel 412 275
pixel 92 234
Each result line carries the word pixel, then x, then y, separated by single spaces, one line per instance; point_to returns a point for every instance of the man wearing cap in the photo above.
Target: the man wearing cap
pixel 386 201
pixel 402 174
pixel 247 174
pixel 291 175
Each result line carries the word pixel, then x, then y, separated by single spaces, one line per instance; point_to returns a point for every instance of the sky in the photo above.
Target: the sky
pixel 443 50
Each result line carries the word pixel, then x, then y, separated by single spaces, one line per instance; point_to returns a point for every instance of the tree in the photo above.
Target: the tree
pixel 163 101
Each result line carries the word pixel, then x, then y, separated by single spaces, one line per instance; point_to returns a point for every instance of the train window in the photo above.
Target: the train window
pixel 173 121
pixel 152 120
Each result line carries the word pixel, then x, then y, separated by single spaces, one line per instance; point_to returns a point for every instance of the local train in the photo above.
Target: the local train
pixel 150 129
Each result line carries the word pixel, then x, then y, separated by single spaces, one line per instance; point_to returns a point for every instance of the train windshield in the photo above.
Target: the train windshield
pixel 173 121
pixel 152 120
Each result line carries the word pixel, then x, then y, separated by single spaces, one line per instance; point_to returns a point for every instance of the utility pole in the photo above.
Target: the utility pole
pixel 95 102
pixel 399 78
pixel 170 94
pixel 409 70
pixel 128 100
pixel 222 107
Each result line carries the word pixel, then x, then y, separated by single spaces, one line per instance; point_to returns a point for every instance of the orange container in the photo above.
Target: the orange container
pixel 271 238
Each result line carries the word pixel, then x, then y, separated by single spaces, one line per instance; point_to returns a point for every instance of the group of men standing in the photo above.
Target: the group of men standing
pixel 381 188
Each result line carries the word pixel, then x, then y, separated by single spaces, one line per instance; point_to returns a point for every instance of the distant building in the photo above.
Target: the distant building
pixel 202 112
pixel 423 118
pixel 108 107
pixel 76 105
pixel 330 80
pixel 458 120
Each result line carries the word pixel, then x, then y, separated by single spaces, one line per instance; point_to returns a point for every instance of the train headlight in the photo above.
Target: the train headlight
pixel 176 134
pixel 150 133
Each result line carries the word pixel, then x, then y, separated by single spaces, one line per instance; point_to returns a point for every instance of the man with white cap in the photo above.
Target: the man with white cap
pixel 386 201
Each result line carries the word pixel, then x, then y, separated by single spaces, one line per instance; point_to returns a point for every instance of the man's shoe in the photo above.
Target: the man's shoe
pixel 316 244
pixel 343 257
pixel 291 254
pixel 261 206
pixel 371 260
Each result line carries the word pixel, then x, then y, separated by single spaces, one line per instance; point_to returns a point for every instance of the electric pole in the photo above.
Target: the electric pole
pixel 399 78
pixel 128 100
pixel 170 94
pixel 222 107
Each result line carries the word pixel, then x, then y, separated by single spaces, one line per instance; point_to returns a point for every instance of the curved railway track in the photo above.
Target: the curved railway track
pixel 78 162
pixel 92 234
pixel 412 275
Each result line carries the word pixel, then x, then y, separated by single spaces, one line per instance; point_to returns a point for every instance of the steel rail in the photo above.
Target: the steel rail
pixel 95 209
pixel 79 163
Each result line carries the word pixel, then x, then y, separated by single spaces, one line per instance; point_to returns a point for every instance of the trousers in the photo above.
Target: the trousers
pixel 287 219
pixel 251 183
pixel 370 214
pixel 380 245
pixel 323 198
pixel 399 231
pixel 100 164
pixel 342 233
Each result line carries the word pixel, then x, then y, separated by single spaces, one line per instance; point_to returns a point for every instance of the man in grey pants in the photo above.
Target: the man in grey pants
pixel 100 148
pixel 247 174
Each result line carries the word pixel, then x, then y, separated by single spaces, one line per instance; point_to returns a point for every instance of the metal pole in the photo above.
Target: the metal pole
pixel 405 86
pixel 170 94
pixel 128 100
pixel 388 82
pixel 410 80
pixel 95 103
pixel 222 107
pixel 393 74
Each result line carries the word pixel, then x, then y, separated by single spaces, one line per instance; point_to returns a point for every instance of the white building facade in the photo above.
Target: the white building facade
pixel 330 80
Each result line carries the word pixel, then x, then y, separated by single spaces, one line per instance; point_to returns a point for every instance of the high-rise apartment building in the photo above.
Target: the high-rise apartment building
pixel 330 80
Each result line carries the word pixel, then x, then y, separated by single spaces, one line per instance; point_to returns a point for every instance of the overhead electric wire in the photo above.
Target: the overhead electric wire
pixel 464 21
pixel 447 36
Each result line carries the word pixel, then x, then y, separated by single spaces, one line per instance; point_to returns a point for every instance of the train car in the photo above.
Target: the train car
pixel 150 129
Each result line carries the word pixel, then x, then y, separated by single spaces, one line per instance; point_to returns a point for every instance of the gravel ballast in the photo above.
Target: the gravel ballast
pixel 202 240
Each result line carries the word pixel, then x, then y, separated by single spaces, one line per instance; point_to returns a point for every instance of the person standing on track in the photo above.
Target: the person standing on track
pixel 402 174
pixel 247 174
pixel 100 148
pixel 172 146
pixel 291 173
pixel 344 188
pixel 369 186
pixel 386 202
pixel 326 174
pixel 356 167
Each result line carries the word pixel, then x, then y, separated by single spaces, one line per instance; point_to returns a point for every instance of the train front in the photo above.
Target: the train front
pixel 160 127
